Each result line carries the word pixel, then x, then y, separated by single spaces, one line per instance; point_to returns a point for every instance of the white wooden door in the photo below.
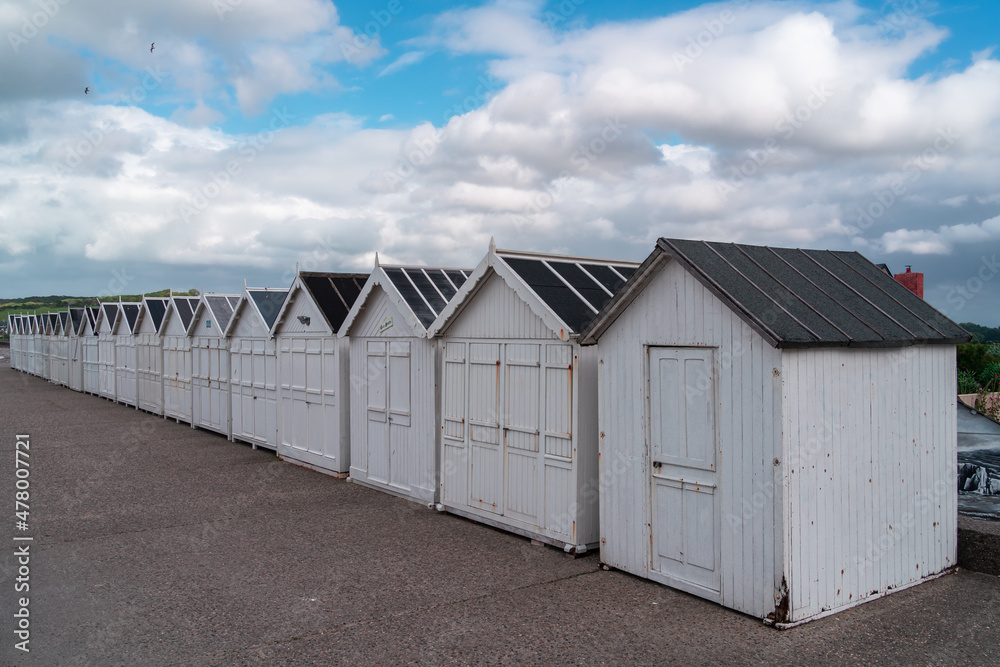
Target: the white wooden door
pixel 177 377
pixel 241 384
pixel 399 413
pixel 265 392
pixel 309 384
pixel 125 363
pixel 485 447
pixel 454 455
pixel 91 365
pixel 522 385
pixel 254 391
pixel 684 493
pixel 388 411
pixel 377 419
pixel 210 384
pixel 106 357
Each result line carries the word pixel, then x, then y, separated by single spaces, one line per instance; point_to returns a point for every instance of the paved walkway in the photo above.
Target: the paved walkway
pixel 155 544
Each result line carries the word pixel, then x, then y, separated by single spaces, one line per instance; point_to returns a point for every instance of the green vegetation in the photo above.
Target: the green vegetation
pixel 981 334
pixel 978 366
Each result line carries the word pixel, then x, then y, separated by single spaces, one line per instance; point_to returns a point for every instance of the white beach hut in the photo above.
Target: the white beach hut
pixel 177 357
pixel 59 348
pixel 74 332
pixel 34 341
pixel 313 371
pixel 149 354
pixel 123 329
pixel 254 360
pixel 106 351
pixel 210 362
pixel 45 356
pixel 16 341
pixel 778 429
pixel 89 343
pixel 519 395
pixel 395 378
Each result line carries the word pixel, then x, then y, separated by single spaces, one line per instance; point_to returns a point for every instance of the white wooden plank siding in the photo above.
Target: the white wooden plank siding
pixel 149 366
pixel 91 361
pixel 177 389
pixel 746 439
pixel 871 464
pixel 210 398
pixel 254 365
pixel 519 395
pixel 834 475
pixel 393 414
pixel 106 354
pixel 314 376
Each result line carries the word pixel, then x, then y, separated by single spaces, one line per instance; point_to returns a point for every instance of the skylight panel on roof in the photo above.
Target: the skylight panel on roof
pixel 426 289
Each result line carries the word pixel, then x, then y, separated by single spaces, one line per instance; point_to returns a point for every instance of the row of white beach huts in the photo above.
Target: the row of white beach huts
pixel 771 429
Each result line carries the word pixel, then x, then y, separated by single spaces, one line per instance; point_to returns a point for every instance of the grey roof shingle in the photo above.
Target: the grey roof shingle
pixel 804 298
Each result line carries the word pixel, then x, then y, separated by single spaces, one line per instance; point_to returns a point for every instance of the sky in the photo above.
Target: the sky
pixel 204 143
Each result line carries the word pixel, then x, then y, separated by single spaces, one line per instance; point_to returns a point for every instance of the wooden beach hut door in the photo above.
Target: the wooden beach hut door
pixel 389 414
pixel 686 525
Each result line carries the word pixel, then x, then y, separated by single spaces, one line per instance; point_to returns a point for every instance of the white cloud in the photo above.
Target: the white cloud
pixel 942 240
pixel 955 202
pixel 404 61
pixel 786 128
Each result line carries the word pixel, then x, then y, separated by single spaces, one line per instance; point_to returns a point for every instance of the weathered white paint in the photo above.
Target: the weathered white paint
pixel 33 341
pixel 798 436
pixel 90 354
pixel 125 361
pixel 393 396
pixel 176 346
pixel 254 384
pixel 75 350
pixel 106 358
pixel 45 351
pixel 313 375
pixel 149 364
pixel 59 349
pixel 15 342
pixel 515 450
pixel 870 482
pixel 210 397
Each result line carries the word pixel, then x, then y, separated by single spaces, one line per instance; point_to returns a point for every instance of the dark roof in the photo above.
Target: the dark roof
pixel 156 308
pixel 93 312
pixel 425 290
pixel 110 312
pixel 806 298
pixel 76 318
pixel 268 302
pixel 222 307
pixel 131 312
pixel 575 289
pixel 63 319
pixel 334 293
pixel 185 305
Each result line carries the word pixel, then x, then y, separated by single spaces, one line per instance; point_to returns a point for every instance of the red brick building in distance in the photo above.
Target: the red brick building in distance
pixel 911 281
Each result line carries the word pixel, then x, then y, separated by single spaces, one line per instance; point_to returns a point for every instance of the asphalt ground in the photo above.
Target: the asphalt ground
pixel 157 544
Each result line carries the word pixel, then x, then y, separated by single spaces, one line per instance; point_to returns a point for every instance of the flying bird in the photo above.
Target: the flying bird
pixel 86 91
pixel 152 46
